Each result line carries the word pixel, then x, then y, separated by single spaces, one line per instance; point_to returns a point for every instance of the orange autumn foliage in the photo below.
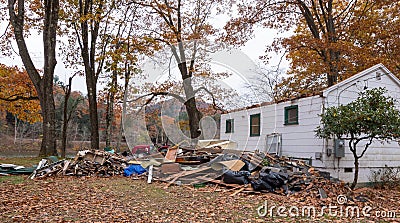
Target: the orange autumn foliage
pixel 18 95
pixel 329 40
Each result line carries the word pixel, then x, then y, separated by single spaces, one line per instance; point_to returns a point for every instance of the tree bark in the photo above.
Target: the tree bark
pixel 329 56
pixel 65 123
pixel 93 116
pixel 110 107
pixel 66 117
pixel 193 113
pixel 126 86
pixel 355 179
pixel 194 118
pixel 49 42
pixel 43 85
pixel 88 49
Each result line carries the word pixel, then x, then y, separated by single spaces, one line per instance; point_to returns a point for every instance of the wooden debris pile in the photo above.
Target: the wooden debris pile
pixel 251 172
pixel 85 163
pixel 257 172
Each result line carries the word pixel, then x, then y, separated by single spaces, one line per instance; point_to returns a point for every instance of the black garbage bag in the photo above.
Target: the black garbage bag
pixel 260 185
pixel 236 177
pixel 248 166
pixel 275 180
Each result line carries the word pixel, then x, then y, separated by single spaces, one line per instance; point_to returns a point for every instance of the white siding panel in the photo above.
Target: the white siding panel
pixel 300 140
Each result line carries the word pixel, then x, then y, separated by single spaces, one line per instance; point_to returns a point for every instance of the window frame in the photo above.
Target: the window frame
pixel 287 109
pixel 259 124
pixel 232 125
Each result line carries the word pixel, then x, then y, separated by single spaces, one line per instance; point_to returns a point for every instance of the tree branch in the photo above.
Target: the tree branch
pixel 155 94
pixel 366 147
pixel 19 97
pixel 215 106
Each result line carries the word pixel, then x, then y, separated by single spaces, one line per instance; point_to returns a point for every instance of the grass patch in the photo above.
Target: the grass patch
pixel 13 179
pixel 22 161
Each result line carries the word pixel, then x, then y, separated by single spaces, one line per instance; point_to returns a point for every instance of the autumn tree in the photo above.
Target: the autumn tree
pixel 372 116
pixel 97 30
pixel 18 95
pixel 265 84
pixel 69 106
pixel 330 40
pixel 44 15
pixel 120 63
pixel 86 26
pixel 181 26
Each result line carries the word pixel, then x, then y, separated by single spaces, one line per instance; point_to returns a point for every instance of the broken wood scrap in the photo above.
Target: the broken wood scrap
pixel 85 163
pixel 236 192
pixel 174 179
pixel 186 173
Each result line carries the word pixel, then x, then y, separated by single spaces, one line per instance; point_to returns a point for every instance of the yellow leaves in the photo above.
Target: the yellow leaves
pixel 358 41
pixel 16 94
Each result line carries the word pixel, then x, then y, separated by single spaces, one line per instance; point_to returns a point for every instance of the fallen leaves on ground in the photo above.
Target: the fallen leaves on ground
pixel 119 199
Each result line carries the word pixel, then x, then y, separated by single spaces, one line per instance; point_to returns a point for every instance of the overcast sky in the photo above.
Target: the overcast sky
pixel 253 49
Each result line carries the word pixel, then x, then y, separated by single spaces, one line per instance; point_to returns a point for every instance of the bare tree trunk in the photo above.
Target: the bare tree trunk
pixel 356 169
pixel 193 113
pixel 126 87
pixel 43 85
pixel 329 55
pixel 110 107
pixel 64 127
pixel 93 116
pixel 194 118
pixel 88 52
pixel 66 116
pixel 49 42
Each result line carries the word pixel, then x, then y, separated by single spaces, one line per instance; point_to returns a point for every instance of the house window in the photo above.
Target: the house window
pixel 292 115
pixel 255 125
pixel 274 143
pixel 348 170
pixel 229 126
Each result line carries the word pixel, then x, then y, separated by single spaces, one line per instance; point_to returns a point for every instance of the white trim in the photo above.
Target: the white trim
pixel 362 73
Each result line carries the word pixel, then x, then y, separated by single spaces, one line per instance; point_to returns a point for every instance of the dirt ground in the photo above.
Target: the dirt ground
pixel 122 199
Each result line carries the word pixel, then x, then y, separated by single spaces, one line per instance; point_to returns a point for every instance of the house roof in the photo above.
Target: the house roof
pixel 377 67
pixel 324 93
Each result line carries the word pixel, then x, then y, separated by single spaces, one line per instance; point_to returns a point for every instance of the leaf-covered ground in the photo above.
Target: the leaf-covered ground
pixel 119 199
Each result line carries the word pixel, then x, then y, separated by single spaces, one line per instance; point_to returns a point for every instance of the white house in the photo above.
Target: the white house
pixel 288 128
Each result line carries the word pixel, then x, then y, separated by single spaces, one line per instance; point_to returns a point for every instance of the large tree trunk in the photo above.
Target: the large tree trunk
pixel 49 43
pixel 329 56
pixel 43 85
pixel 187 72
pixel 88 52
pixel 49 132
pixel 193 113
pixel 94 120
pixel 194 118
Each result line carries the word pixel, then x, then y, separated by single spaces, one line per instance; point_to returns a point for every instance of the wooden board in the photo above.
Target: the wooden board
pixel 171 154
pixel 187 173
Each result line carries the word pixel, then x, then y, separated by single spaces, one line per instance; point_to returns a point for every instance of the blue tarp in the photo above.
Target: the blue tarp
pixel 134 169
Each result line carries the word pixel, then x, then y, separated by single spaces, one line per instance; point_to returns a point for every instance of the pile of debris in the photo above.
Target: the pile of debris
pixel 11 169
pixel 251 172
pixel 85 163
pixel 254 172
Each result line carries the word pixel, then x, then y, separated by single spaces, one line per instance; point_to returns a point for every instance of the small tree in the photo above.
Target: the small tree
pixel 373 115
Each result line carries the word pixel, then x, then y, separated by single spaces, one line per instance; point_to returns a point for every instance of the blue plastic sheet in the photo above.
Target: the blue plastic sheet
pixel 134 169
